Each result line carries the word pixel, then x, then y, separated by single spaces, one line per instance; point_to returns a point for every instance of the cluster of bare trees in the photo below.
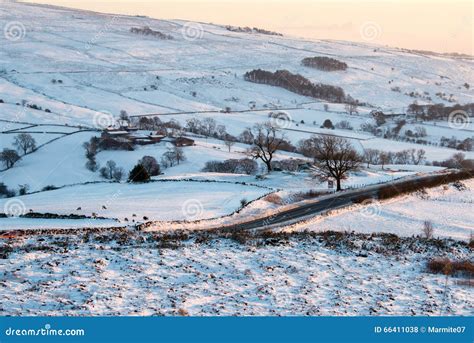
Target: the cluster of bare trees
pixel 454 143
pixel 153 123
pixel 324 63
pixel 91 149
pixel 408 156
pixel 457 161
pixel 333 157
pixel 172 157
pixel 9 157
pixel 438 111
pixel 24 143
pixel 208 127
pixel 298 84
pixel 111 172
pixel 149 32
pixel 233 166
pixel 292 164
pixel 247 29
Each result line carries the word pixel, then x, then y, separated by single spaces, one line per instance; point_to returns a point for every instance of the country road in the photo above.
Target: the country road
pixel 295 212
pixel 342 199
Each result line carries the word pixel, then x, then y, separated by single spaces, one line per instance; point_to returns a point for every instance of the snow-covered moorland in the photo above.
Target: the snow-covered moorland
pixel 307 274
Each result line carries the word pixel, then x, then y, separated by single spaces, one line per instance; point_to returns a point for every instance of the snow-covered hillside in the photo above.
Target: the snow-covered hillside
pixel 65 74
pixel 104 67
pixel 84 230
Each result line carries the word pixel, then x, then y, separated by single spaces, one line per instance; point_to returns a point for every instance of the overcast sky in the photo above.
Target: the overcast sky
pixel 445 26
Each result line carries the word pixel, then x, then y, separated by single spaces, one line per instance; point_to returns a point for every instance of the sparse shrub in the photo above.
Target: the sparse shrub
pixel 327 124
pixel 449 267
pixel 49 188
pixel 5 192
pixel 183 312
pixel 23 189
pixel 344 125
pixel 310 194
pixel 92 165
pixel 274 199
pixel 243 202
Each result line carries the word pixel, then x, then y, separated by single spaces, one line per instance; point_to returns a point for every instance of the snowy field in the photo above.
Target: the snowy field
pixel 128 203
pixel 143 276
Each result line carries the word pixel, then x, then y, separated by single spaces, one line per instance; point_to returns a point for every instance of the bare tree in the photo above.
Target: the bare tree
pixel 24 142
pixel 9 157
pixel 179 154
pixel 384 158
pixel 419 156
pixel 221 131
pixel 404 156
pixel 193 125
pixel 208 126
pixel 428 229
pixel 168 159
pixel 334 157
pixel 246 136
pixel 351 108
pixel 229 144
pixel 266 141
pixel 371 156
pixel 124 116
pixel 91 149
